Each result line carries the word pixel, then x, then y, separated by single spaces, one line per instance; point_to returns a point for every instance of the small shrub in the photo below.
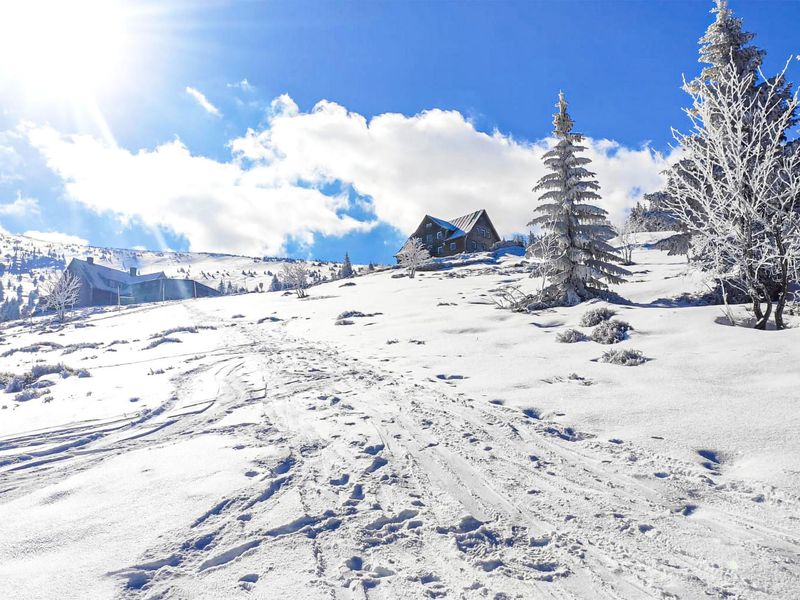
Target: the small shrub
pixel 163 340
pixel 14 385
pixel 350 314
pixel 625 358
pixel 611 332
pixel 29 394
pixel 184 329
pixel 81 346
pixel 595 316
pixel 570 336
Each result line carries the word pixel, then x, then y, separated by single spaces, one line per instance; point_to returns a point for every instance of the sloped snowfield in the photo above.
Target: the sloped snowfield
pixel 251 447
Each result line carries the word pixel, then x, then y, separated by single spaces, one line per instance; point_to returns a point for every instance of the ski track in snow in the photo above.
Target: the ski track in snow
pixel 380 486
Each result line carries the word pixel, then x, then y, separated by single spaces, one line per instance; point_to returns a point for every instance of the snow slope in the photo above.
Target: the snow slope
pixel 435 447
pixel 23 260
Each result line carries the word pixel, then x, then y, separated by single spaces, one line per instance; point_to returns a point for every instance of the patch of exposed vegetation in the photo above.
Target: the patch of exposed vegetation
pixel 625 358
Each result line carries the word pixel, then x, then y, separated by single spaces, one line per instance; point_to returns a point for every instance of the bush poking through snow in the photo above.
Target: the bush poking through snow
pixel 163 340
pixel 17 383
pixel 595 316
pixel 611 332
pixel 625 358
pixel 570 336
pixel 184 329
pixel 29 394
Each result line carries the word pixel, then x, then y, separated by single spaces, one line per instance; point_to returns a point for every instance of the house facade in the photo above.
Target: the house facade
pixel 102 286
pixel 473 232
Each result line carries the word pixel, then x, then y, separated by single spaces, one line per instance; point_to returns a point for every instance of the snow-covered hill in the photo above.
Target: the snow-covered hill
pixel 397 438
pixel 26 262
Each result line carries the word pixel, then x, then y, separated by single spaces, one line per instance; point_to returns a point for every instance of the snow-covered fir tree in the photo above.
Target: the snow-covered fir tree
pixel 726 42
pixel 586 264
pixel 275 284
pixel 347 267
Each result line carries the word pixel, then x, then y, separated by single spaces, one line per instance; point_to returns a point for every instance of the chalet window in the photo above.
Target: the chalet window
pixel 438 249
pixel 452 246
pixel 439 235
pixel 428 225
pixel 429 238
pixel 473 245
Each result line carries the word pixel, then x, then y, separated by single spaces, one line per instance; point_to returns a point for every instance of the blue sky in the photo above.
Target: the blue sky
pixel 165 158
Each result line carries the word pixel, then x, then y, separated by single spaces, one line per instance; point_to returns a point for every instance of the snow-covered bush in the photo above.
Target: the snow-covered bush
pixel 595 316
pixel 570 336
pixel 15 384
pixel 625 358
pixel 163 340
pixel 349 314
pixel 611 332
pixel 29 394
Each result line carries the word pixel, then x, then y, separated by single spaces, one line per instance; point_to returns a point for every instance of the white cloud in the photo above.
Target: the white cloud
pixel 243 85
pixel 56 237
pixel 217 206
pixel 203 101
pixel 20 207
pixel 434 162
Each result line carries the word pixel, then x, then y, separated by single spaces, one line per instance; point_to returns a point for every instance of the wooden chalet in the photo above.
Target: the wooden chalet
pixel 468 233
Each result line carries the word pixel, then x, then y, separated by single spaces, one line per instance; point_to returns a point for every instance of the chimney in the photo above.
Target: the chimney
pixel 90 260
pixel 133 271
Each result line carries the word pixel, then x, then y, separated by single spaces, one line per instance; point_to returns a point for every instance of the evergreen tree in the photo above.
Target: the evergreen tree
pixel 221 286
pixel 584 263
pixel 726 42
pixel 723 41
pixel 275 285
pixel 347 267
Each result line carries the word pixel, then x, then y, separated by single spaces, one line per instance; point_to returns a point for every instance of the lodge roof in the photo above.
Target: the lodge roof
pixel 108 279
pixel 460 226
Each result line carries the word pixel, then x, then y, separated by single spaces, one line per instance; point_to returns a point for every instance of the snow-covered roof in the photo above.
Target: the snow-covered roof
pixel 460 226
pixel 106 278
pixel 443 223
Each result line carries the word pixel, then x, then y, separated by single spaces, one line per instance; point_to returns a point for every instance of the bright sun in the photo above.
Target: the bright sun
pixel 57 50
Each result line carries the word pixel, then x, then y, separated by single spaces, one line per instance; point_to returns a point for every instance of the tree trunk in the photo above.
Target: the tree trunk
pixel 783 290
pixel 762 318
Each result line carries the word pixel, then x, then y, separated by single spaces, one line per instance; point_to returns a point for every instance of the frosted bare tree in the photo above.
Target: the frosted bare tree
pixel 547 252
pixel 413 255
pixel 296 276
pixel 62 293
pixel 626 234
pixel 737 189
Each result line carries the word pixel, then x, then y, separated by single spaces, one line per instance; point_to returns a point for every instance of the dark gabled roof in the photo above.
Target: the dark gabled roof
pixel 105 278
pixel 442 223
pixel 466 222
pixel 462 225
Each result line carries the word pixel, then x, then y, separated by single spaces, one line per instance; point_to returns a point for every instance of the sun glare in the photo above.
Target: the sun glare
pixel 57 50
